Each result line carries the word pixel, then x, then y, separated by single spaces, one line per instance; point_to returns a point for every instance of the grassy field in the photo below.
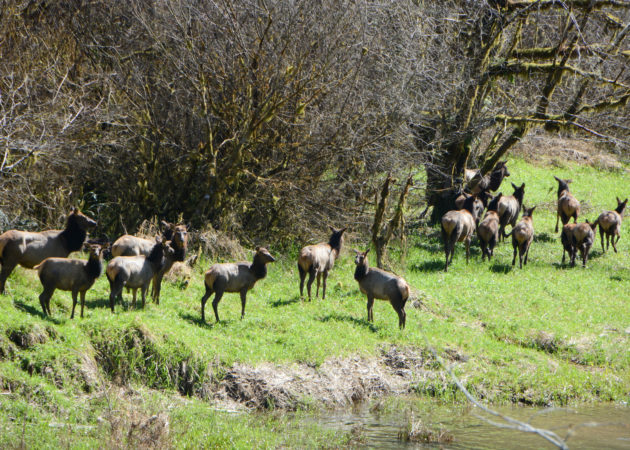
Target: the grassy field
pixel 544 335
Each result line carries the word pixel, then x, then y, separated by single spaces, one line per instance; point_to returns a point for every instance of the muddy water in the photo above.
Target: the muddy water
pixel 593 427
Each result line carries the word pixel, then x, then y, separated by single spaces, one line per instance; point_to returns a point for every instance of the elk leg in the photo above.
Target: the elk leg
pixel 325 275
pixel 614 242
pixel 402 316
pixel 601 236
pixel 527 251
pixel 204 299
pixel 515 250
pixel 370 304
pixel 557 219
pixel 302 278
pixel 44 299
pixel 467 249
pixel 143 292
pixel 311 276
pixel 4 274
pixel 215 303
pixel 74 303
pixel 446 240
pixel 82 302
pixel 243 302
pixel 135 292
pixel 319 278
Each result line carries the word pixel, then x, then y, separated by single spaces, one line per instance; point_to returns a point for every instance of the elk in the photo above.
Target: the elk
pixel 566 237
pixel 137 271
pixel 234 277
pixel 568 205
pixel 317 260
pixel 488 229
pixel 583 237
pixel 459 226
pixel 479 204
pixel 29 248
pixel 129 245
pixel 610 224
pixel 490 182
pixel 509 209
pixel 74 275
pixel 382 285
pixel 522 236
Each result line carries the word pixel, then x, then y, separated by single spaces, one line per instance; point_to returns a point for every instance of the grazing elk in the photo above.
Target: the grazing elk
pixel 510 208
pixel 488 229
pixel 129 245
pixel 490 182
pixel 317 260
pixel 459 226
pixel 29 248
pixel 234 277
pixel 583 237
pixel 136 271
pixel 568 205
pixel 610 224
pixel 382 285
pixel 74 275
pixel 522 236
pixel 566 237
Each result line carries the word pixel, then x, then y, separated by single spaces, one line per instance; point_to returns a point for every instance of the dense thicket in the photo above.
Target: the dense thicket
pixel 276 116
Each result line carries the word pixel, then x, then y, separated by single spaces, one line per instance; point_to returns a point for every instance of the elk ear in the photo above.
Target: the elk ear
pixel 569 181
pixel 332 228
pixel 533 208
pixel 514 186
pixel 343 229
pixel 557 179
pixel 257 248
pixel 522 186
pixel 366 252
pixel 618 201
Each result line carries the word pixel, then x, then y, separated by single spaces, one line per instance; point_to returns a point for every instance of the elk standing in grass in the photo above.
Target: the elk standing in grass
pixel 488 229
pixel 610 224
pixel 566 237
pixel 382 285
pixel 522 237
pixel 510 208
pixel 459 226
pixel 28 248
pixel 234 277
pixel 317 260
pixel 136 271
pixel 568 205
pixel 583 238
pixel 478 205
pixel 490 182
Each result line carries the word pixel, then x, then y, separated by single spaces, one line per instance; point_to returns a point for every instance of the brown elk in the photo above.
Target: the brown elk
pixel 137 271
pixel 566 237
pixel 28 248
pixel 568 205
pixel 610 224
pixel 379 284
pixel 129 245
pixel 479 204
pixel 510 208
pixel 583 236
pixel 74 275
pixel 488 229
pixel 490 182
pixel 234 277
pixel 459 226
pixel 317 260
pixel 522 236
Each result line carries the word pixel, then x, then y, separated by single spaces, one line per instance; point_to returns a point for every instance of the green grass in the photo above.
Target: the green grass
pixel 546 334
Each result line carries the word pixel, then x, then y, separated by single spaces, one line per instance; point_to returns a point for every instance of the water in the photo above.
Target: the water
pixel 585 427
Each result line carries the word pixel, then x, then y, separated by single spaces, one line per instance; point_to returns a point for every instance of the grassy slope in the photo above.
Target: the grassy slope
pixel 544 334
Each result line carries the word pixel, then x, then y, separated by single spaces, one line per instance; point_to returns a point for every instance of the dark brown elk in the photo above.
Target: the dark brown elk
pixel 458 226
pixel 491 182
pixel 75 275
pixel 28 248
pixel 510 208
pixel 379 284
pixel 522 237
pixel 136 272
pixel 566 237
pixel 488 229
pixel 479 204
pixel 129 245
pixel 583 238
pixel 568 205
pixel 234 277
pixel 610 224
pixel 317 260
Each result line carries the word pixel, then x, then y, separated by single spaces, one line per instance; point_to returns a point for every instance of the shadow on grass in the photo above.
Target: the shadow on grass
pixel 501 268
pixel 287 302
pixel 196 320
pixel 346 318
pixel 96 303
pixel 30 309
pixel 428 266
pixel 545 237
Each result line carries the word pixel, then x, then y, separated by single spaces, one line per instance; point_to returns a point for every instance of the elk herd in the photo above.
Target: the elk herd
pixel 138 262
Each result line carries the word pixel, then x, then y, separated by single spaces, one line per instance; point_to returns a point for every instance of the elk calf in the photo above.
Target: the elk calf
pixel 30 248
pixel 488 229
pixel 136 271
pixel 522 236
pixel 382 285
pixel 510 208
pixel 583 238
pixel 459 226
pixel 317 260
pixel 74 275
pixel 234 277
pixel 610 224
pixel 568 205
